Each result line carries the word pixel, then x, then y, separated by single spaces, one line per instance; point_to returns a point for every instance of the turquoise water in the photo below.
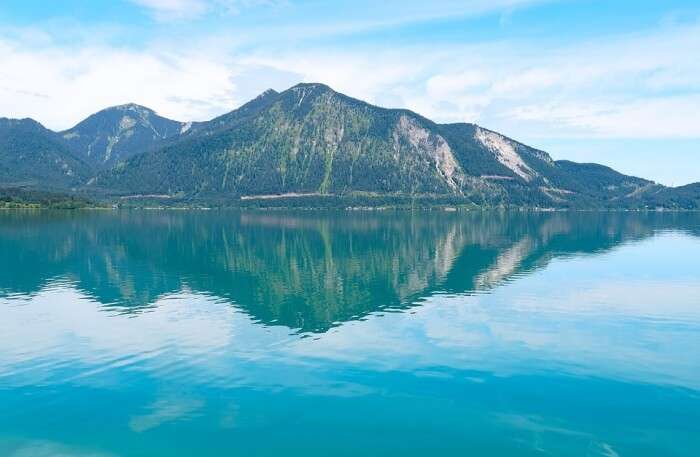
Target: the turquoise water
pixel 179 333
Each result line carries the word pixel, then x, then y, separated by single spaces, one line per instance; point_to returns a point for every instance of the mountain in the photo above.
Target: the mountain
pixel 118 133
pixel 310 143
pixel 313 140
pixel 31 155
pixel 308 139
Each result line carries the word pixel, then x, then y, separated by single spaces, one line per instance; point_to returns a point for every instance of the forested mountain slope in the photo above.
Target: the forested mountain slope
pixel 312 141
pixel 31 155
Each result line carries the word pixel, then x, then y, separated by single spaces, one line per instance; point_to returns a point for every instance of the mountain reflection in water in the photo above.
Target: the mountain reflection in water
pixel 307 271
pixel 176 333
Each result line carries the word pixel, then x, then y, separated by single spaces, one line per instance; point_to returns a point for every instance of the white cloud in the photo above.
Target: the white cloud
pixel 525 82
pixel 447 84
pixel 625 86
pixel 174 9
pixel 660 117
pixel 59 87
pixel 615 87
pixel 361 15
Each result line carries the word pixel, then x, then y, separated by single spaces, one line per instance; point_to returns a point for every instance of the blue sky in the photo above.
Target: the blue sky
pixel 614 82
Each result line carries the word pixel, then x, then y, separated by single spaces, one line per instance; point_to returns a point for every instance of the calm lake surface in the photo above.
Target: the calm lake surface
pixel 173 333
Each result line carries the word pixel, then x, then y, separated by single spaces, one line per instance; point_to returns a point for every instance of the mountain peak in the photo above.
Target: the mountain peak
pixel 306 94
pixel 118 132
pixel 25 122
pixel 267 93
pixel 132 107
pixel 303 89
pixel 129 106
pixel 320 86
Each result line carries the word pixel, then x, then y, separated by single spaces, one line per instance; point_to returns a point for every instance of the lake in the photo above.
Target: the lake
pixel 224 333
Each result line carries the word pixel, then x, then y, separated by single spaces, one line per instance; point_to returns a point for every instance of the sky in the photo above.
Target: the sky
pixel 614 82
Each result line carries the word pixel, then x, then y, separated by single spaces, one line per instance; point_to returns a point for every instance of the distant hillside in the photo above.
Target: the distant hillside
pixel 31 155
pixel 310 142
